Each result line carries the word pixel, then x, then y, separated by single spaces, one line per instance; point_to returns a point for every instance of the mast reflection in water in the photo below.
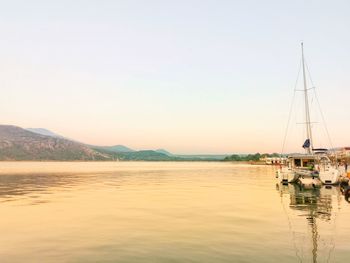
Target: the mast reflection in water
pixel 319 206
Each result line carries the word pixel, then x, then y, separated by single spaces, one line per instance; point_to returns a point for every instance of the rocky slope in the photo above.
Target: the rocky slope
pixel 20 144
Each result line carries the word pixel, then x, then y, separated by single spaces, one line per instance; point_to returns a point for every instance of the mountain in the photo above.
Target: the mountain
pixel 42 144
pixel 146 155
pixel 164 152
pixel 115 148
pixel 20 144
pixel 203 157
pixel 45 132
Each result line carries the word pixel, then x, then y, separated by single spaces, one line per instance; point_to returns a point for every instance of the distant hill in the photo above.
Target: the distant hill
pixel 203 157
pixel 43 131
pixel 115 148
pixel 147 155
pixel 164 151
pixel 42 144
pixel 20 144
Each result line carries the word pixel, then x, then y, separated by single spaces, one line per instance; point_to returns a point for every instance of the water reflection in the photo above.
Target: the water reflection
pixel 316 205
pixel 13 187
pixel 345 190
pixel 36 186
pixel 179 212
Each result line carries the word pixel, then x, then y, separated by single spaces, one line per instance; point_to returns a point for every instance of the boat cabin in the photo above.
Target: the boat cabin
pixel 302 161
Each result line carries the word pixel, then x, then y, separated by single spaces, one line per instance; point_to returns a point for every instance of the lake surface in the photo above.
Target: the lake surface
pixel 166 212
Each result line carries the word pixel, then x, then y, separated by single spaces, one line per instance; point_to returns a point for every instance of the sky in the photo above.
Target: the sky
pixel 187 76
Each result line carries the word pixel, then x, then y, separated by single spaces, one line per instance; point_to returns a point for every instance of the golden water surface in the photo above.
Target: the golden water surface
pixel 166 212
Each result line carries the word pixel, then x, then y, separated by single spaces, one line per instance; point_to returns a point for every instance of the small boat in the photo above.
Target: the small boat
pixel 287 175
pixel 297 165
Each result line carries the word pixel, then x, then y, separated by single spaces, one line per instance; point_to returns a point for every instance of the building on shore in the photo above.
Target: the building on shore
pixel 273 160
pixel 341 153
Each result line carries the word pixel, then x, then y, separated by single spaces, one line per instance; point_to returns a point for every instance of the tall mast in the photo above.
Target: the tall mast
pixel 307 111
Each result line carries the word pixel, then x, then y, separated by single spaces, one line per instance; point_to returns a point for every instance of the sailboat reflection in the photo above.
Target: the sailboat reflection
pixel 318 206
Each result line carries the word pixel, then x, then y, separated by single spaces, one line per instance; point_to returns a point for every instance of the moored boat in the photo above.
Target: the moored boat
pixel 287 175
pixel 314 167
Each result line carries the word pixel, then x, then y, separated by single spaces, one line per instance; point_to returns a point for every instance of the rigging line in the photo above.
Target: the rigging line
pixel 308 71
pixel 319 106
pixel 323 120
pixel 290 109
pixel 288 122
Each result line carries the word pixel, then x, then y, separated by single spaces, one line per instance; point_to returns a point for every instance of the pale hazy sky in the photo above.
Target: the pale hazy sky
pixel 188 76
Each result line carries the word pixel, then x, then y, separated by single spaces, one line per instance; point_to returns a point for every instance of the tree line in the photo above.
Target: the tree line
pixel 249 157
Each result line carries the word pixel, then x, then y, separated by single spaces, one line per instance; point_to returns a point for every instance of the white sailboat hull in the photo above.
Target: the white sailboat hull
pixel 286 175
pixel 330 176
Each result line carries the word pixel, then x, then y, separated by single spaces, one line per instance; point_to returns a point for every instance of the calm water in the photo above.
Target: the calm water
pixel 166 212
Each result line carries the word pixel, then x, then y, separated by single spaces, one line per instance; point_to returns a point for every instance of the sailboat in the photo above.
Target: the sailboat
pixel 314 166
